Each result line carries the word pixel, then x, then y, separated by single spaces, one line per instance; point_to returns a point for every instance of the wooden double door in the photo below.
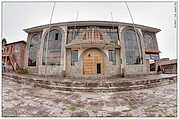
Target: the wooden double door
pixel 93 62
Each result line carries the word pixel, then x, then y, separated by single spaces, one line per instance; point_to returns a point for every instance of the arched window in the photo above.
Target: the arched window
pixel 132 47
pixel 54 48
pixel 33 50
pixel 149 42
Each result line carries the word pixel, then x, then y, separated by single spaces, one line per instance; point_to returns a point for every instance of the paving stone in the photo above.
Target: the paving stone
pixel 40 102
pixel 115 114
pixel 80 114
pixel 9 112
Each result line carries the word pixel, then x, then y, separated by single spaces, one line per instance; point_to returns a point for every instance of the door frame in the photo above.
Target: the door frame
pixel 94 62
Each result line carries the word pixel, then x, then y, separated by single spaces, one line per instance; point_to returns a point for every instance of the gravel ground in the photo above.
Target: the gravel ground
pixel 25 101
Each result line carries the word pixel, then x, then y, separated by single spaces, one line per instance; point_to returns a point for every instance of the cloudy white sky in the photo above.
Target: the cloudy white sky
pixel 21 15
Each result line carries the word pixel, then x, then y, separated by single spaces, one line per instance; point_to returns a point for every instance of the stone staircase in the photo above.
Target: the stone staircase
pixel 103 85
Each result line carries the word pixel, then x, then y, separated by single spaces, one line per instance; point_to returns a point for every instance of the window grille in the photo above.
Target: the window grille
pixel 54 48
pixel 132 48
pixel 33 50
pixel 74 56
pixel 92 33
pixel 112 56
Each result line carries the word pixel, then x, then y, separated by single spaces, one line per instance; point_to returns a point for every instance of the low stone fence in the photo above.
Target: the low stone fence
pixel 87 86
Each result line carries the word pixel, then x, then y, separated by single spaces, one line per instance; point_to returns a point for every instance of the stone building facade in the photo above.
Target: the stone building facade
pixel 13 54
pixel 91 48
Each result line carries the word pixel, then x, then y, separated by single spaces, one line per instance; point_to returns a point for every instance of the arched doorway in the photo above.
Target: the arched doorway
pixel 93 62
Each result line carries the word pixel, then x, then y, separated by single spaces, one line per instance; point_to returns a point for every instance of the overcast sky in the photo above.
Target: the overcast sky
pixel 19 16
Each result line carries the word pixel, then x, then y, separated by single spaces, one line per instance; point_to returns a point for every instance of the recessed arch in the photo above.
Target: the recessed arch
pixel 53 54
pixel 133 48
pixel 85 51
pixel 93 62
pixel 33 46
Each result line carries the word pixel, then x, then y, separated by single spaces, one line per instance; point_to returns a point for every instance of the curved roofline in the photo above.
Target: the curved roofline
pixel 90 22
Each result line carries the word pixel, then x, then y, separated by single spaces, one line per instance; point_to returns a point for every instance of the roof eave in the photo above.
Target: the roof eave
pixel 38 28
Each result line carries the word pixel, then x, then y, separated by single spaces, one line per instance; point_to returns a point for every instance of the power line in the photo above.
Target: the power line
pixel 112 32
pixel 135 31
pixel 49 35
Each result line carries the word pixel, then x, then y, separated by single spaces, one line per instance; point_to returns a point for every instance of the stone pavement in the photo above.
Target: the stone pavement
pixel 23 100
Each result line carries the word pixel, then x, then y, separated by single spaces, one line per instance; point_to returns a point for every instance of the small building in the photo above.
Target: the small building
pixel 92 49
pixel 13 54
pixel 169 66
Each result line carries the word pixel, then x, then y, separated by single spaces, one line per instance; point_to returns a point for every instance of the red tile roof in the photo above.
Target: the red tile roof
pixel 173 61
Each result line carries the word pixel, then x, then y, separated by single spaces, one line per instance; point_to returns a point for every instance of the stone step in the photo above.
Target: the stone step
pixel 91 86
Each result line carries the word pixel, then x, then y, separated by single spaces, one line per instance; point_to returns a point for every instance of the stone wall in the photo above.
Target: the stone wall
pixel 136 69
pixel 51 70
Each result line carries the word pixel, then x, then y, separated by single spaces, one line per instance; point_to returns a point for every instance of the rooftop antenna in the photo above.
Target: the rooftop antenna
pixel 134 30
pixel 48 35
pixel 111 16
pixel 76 22
pixel 77 13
